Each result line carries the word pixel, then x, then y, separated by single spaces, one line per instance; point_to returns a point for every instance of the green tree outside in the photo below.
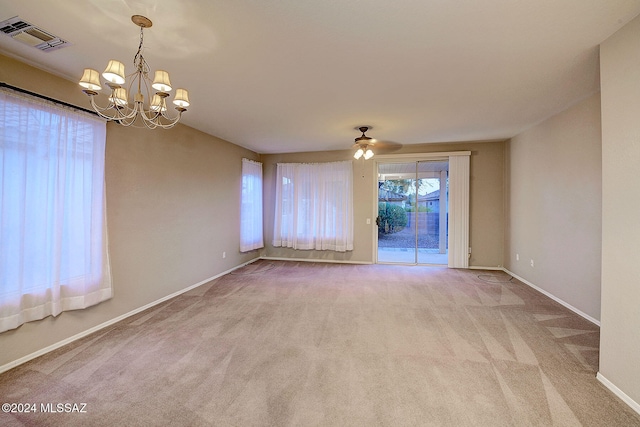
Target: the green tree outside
pixel 391 218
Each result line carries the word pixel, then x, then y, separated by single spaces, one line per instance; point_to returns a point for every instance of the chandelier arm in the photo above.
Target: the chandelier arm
pixel 167 117
pixel 100 110
pixel 156 120
pixel 117 111
pixel 124 112
pixel 125 119
pixel 149 116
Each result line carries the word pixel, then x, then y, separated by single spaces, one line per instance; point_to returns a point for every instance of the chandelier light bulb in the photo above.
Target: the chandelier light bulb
pixel 114 73
pixel 182 98
pixel 90 79
pixel 358 153
pixel 119 97
pixel 161 81
pixel 157 104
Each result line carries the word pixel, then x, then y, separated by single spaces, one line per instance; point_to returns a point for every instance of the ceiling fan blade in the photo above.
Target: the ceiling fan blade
pixel 386 147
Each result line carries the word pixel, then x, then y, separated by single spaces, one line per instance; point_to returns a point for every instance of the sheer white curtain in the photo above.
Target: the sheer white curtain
pixel 314 206
pixel 53 248
pixel 459 211
pixel 251 237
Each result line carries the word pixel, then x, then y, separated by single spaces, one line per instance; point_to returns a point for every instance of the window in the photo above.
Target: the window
pixel 251 209
pixel 314 206
pixel 53 253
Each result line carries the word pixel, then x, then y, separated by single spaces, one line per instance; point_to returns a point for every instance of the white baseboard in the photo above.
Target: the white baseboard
pixel 555 298
pixel 615 390
pixel 332 261
pixel 369 262
pixel 83 334
pixel 475 267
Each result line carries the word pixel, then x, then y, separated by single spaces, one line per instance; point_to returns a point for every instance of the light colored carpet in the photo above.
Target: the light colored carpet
pixel 305 344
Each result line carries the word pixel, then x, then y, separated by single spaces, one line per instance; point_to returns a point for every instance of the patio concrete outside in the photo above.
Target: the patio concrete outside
pixel 408 256
pixel 400 247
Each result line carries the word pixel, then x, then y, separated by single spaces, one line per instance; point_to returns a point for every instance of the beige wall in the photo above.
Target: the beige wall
pixel 486 224
pixel 620 331
pixel 172 209
pixel 554 202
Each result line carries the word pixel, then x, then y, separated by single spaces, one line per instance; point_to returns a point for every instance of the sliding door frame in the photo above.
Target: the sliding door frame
pixel 459 238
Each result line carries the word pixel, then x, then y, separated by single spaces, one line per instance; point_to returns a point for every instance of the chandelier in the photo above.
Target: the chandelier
pixel 149 110
pixel 364 144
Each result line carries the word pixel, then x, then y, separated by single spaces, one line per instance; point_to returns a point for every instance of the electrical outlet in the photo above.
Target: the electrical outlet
pixel 224 255
pixel 531 263
pixel 368 221
pixel 517 257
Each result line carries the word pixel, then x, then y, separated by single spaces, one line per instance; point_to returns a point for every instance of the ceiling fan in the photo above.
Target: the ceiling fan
pixel 364 145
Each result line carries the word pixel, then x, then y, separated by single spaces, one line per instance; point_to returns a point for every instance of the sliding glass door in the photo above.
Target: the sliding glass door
pixel 413 212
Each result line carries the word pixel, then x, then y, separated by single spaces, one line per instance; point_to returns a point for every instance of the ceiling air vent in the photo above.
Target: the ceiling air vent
pixel 31 35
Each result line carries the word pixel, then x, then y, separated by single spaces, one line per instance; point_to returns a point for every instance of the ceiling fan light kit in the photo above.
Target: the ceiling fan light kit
pixel 364 144
pixel 153 114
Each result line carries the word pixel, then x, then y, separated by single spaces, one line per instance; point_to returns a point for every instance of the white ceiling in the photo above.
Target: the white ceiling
pixel 300 75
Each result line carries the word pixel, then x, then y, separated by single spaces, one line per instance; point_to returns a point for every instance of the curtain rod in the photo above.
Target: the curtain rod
pixel 37 95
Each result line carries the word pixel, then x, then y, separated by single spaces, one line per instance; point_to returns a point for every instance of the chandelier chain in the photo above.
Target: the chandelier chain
pixel 138 59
